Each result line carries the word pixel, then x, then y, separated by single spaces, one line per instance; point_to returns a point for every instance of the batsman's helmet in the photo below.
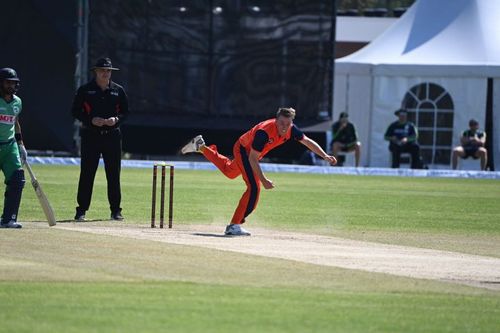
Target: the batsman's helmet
pixel 8 74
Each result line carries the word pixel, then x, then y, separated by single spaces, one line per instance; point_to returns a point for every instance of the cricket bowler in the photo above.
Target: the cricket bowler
pixel 248 150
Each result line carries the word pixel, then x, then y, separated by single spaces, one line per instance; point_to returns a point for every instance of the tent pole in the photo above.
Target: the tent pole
pixel 81 59
pixel 333 38
pixel 488 126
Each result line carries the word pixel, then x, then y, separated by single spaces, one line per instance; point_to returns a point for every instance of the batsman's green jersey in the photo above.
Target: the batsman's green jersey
pixel 9 152
pixel 8 116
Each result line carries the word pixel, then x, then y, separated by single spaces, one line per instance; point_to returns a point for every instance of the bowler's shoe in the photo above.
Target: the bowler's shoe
pixel 194 145
pixel 236 230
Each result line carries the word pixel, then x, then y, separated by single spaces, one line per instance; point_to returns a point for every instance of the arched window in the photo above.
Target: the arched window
pixel 430 107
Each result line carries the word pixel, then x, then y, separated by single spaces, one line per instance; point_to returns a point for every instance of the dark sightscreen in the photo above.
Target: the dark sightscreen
pixel 38 41
pixel 223 59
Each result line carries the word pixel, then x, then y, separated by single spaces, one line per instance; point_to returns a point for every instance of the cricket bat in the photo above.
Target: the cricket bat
pixel 42 198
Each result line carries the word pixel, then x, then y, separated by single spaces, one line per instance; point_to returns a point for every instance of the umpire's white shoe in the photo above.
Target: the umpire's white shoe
pixel 194 145
pixel 236 230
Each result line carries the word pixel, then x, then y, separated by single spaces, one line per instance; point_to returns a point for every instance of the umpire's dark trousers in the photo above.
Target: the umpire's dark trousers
pixel 94 144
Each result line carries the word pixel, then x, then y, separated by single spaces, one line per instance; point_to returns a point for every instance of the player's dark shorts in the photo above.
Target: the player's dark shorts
pixel 348 146
pixel 470 152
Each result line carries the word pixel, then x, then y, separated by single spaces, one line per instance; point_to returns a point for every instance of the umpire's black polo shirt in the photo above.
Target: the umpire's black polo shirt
pixel 91 101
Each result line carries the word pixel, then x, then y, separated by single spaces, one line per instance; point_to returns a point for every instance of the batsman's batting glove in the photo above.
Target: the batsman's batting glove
pixel 23 153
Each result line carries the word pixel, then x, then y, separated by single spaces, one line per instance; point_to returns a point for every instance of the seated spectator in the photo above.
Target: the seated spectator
pixel 472 145
pixel 403 138
pixel 345 138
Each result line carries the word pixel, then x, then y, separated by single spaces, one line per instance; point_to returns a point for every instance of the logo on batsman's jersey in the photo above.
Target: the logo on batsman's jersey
pixel 7 119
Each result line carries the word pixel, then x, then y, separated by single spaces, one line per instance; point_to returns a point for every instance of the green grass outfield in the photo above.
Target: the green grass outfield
pixel 54 280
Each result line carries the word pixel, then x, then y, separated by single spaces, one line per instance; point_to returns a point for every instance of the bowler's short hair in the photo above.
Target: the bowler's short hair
pixel 286 112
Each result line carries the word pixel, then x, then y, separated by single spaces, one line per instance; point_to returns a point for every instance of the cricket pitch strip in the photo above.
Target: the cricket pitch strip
pixel 472 270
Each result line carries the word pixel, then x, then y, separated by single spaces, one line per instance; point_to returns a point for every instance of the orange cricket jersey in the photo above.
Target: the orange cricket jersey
pixel 269 126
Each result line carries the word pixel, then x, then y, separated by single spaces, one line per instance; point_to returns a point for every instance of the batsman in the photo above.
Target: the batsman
pixel 12 151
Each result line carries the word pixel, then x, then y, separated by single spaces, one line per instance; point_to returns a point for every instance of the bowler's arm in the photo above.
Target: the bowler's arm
pixel 254 163
pixel 315 148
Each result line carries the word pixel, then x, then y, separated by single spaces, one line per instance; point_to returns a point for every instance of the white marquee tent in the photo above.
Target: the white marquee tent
pixel 437 61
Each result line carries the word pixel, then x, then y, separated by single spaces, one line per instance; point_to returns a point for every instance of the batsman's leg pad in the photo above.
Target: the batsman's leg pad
pixel 13 194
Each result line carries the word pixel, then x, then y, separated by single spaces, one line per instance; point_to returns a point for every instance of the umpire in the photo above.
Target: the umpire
pixel 101 105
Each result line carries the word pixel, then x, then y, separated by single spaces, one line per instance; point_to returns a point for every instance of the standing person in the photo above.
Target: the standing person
pixel 402 136
pixel 472 144
pixel 12 151
pixel 101 105
pixel 345 138
pixel 248 150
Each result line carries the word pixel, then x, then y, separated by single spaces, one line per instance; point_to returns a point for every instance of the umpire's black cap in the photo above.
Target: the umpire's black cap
pixel 104 63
